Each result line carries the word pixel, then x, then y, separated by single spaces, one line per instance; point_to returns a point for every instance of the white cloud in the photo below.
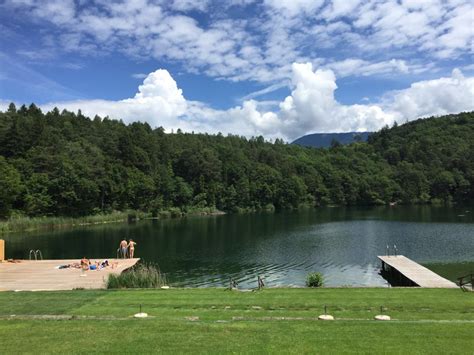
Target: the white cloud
pixel 359 67
pixel 158 101
pixel 294 7
pixel 441 28
pixel 73 66
pixel 139 75
pixel 59 12
pixel 261 45
pixel 456 33
pixel 265 91
pixel 311 106
pixel 188 5
pixel 434 97
pixel 4 105
pixel 338 8
pixel 469 67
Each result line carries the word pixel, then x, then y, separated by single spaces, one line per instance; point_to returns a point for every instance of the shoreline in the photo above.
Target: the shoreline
pixel 32 224
pixel 45 223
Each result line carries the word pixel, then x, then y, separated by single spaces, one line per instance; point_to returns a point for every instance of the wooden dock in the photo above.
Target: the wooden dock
pixel 414 272
pixel 44 275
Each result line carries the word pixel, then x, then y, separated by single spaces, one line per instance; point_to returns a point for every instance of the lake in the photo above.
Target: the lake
pixel 283 247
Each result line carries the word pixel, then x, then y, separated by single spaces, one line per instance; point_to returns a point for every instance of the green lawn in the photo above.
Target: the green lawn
pixel 273 320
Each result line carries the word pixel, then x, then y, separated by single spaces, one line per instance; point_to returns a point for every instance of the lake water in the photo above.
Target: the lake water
pixel 341 243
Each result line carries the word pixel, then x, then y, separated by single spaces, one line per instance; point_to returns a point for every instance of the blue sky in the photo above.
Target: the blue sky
pixel 277 68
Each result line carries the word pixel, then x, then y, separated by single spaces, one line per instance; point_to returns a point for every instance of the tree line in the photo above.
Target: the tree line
pixel 66 164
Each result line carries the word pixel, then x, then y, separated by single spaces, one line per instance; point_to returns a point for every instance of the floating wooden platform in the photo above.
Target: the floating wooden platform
pixel 416 273
pixel 30 275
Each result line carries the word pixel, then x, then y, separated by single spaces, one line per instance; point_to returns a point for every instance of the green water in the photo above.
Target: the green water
pixel 342 243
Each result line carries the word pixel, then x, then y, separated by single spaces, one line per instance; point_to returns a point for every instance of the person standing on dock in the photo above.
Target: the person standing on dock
pixel 123 248
pixel 131 246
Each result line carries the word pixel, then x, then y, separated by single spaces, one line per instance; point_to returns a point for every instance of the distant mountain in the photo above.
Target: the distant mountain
pixel 323 140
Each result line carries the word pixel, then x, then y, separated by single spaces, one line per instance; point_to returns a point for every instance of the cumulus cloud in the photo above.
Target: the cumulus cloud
pixel 434 97
pixel 310 107
pixel 158 101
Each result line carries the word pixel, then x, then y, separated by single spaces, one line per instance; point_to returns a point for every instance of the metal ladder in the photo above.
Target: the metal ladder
pixel 395 250
pixel 37 254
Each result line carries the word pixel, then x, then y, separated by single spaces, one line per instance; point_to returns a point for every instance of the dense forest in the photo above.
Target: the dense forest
pixel 65 164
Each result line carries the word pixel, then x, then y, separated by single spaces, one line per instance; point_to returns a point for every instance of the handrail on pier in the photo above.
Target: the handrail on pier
pixel 469 280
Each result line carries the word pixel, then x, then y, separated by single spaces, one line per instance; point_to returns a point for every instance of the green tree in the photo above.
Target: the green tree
pixel 10 187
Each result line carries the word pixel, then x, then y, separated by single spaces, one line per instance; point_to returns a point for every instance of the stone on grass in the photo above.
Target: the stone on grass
pixel 141 315
pixel 325 317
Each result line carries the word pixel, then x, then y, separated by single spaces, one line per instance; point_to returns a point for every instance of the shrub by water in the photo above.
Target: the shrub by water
pixel 314 279
pixel 141 276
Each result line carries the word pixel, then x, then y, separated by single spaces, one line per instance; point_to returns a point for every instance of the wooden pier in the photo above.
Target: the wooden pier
pixel 44 275
pixel 413 273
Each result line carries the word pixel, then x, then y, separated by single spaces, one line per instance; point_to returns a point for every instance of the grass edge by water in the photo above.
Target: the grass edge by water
pixel 30 224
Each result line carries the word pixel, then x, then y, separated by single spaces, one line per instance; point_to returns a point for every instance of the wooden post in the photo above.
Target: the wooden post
pixel 2 250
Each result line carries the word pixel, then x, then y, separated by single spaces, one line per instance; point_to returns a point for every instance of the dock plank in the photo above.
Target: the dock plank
pixel 31 275
pixel 417 273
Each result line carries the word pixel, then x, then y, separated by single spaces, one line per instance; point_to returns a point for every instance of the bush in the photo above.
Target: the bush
pixel 140 276
pixel 175 212
pixel 270 207
pixel 314 279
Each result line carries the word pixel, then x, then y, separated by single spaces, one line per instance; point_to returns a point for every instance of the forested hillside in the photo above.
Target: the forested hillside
pixel 62 163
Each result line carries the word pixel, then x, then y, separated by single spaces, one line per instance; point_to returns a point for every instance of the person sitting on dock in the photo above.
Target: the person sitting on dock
pixel 85 263
pixel 131 246
pixel 124 248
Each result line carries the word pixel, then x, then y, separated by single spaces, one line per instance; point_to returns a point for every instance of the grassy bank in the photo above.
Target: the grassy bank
pixel 216 321
pixel 28 224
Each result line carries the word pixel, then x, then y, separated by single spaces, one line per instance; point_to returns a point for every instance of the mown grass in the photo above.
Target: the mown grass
pixel 272 320
pixel 140 276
